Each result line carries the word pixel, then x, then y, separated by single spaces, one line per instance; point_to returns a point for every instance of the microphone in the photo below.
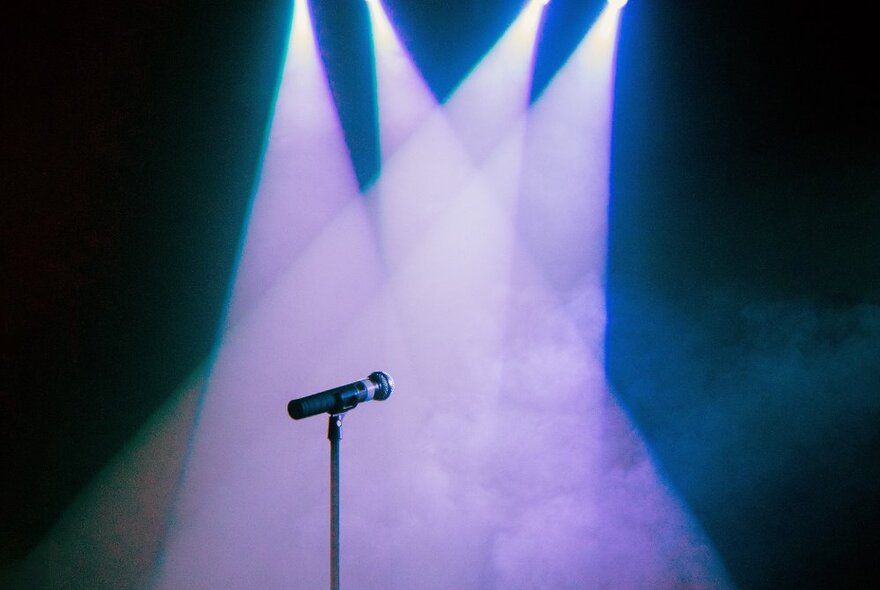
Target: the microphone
pixel 377 386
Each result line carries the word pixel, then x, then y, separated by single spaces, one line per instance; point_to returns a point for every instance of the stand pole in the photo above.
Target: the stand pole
pixel 334 433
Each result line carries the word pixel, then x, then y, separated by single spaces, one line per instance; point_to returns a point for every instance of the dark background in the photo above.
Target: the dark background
pixel 743 283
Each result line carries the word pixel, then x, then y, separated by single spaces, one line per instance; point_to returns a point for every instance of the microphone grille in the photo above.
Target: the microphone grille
pixel 385 385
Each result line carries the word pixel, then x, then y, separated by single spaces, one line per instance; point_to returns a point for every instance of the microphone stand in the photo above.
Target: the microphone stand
pixel 337 402
pixel 334 433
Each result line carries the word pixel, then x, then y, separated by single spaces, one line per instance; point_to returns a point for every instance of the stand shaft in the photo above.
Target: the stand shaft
pixel 334 433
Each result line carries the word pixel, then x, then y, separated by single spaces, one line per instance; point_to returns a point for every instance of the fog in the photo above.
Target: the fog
pixel 472 273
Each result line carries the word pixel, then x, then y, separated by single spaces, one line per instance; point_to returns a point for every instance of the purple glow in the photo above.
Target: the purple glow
pixel 520 454
pixel 404 99
pixel 251 511
pixel 501 461
pixel 494 96
pixel 564 188
pixel 306 177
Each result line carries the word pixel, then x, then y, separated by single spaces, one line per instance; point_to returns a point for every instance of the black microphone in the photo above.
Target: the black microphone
pixel 377 386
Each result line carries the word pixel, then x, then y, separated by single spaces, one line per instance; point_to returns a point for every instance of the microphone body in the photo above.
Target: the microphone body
pixel 377 386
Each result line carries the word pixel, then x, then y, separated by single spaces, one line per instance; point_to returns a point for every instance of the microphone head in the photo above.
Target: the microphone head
pixel 295 409
pixel 384 385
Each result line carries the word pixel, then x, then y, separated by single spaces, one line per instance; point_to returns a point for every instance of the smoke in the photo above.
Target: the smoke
pixel 763 413
pixel 515 470
pixel 501 461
